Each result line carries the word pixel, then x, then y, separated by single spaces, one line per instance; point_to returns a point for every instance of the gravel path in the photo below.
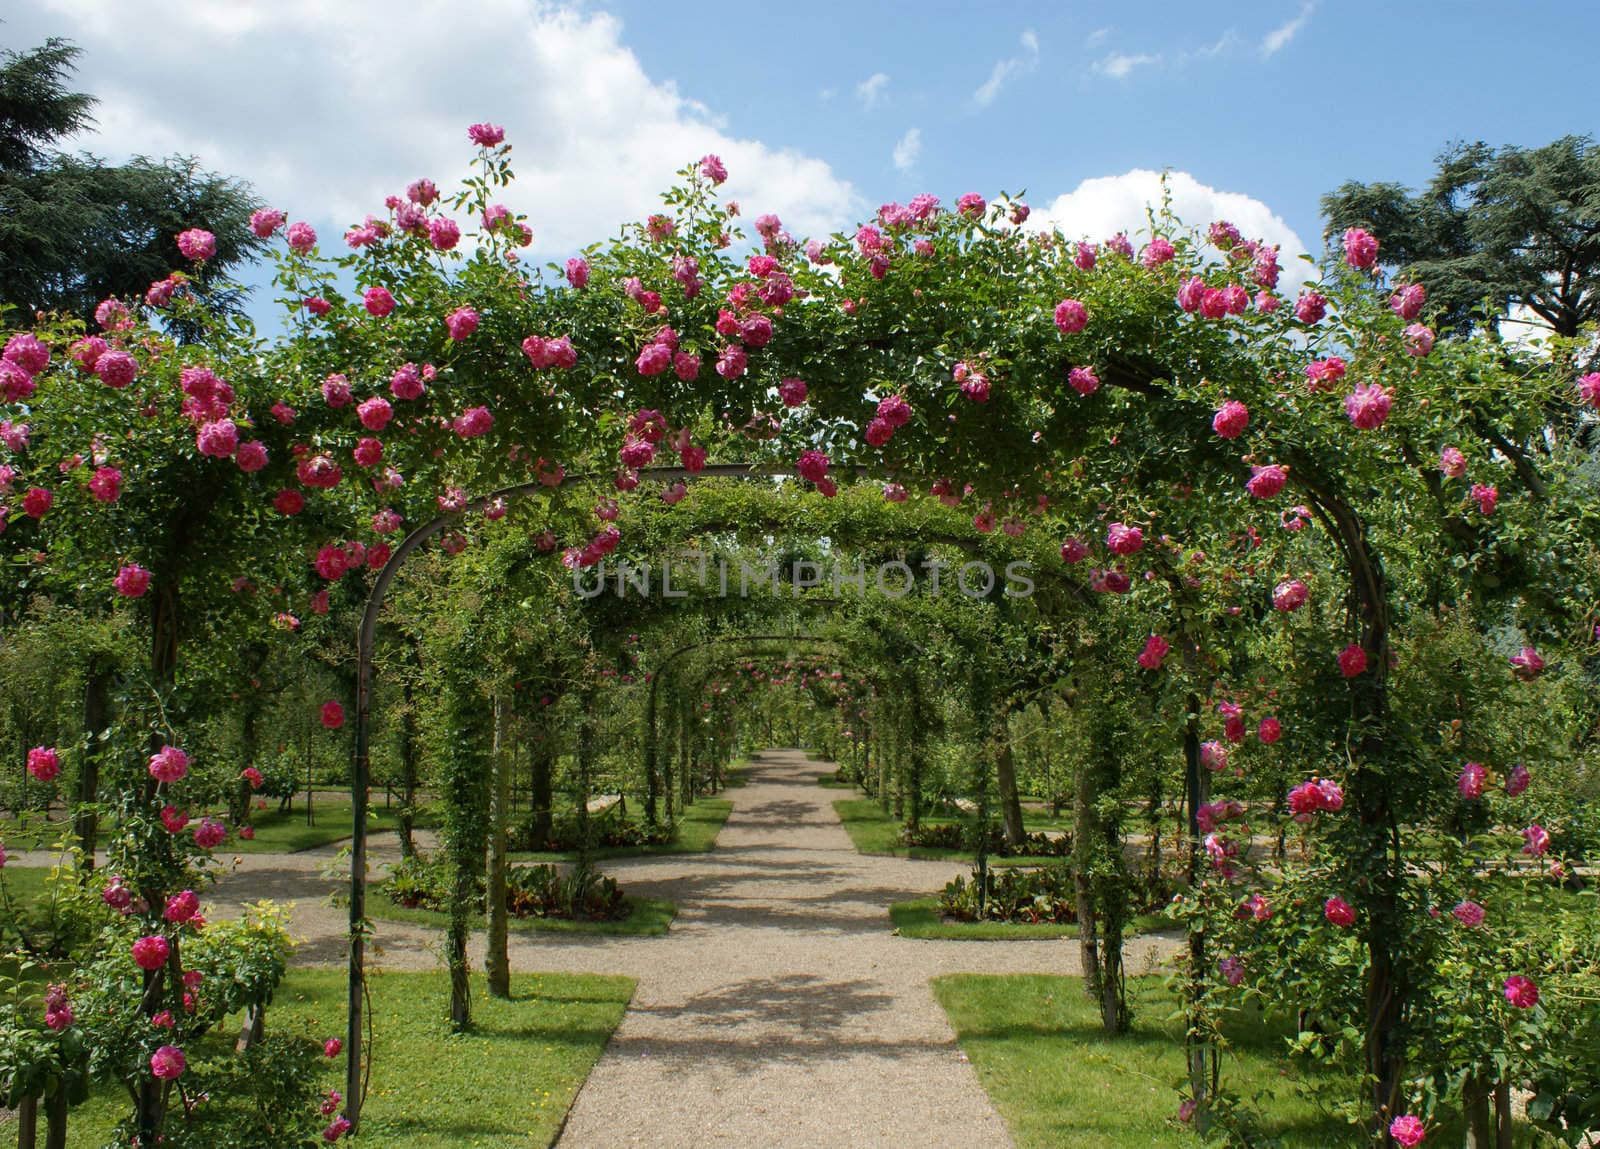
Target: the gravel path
pixel 779 1011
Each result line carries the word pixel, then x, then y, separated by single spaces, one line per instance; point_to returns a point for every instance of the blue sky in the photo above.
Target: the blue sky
pixel 825 110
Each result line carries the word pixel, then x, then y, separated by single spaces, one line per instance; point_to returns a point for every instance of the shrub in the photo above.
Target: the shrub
pixel 956 836
pixel 581 894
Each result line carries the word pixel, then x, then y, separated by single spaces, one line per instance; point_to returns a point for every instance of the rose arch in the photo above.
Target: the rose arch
pixel 1163 414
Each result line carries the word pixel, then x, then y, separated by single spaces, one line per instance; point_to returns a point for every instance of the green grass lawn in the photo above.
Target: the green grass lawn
pixel 874 832
pixel 647 917
pixel 509 1082
pixel 696 834
pixel 1036 1044
pixel 920 919
pixel 276 833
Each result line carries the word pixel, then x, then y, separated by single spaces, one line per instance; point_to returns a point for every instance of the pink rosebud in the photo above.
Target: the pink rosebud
pixel 1338 911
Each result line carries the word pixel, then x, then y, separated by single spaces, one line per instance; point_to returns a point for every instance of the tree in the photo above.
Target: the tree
pixel 1508 227
pixel 76 230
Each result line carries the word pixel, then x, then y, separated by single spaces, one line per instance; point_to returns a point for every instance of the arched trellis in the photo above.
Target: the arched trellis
pixel 360 774
pixel 670 661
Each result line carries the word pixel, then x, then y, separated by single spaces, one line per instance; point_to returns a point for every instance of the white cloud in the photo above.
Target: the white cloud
pixel 870 90
pixel 1120 65
pixel 1095 37
pixel 1009 68
pixel 1101 207
pixel 1223 43
pixel 327 108
pixel 908 149
pixel 1278 39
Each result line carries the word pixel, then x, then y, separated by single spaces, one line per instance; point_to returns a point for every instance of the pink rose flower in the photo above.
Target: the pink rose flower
pixel 1368 406
pixel 713 169
pixel 473 422
pixel 182 907
pixel 461 322
pixel 443 233
pixel 578 272
pixel 1527 664
pixel 1352 660
pixel 1074 551
pixel 1154 652
pixel 368 452
pixel 1266 481
pixel 1407 1131
pixel 1124 540
pixel 971 205
pixel 1071 316
pixel 288 502
pixel 1469 914
pixel 1322 374
pixel 1521 992
pixel 377 301
pixel 812 466
pixel 168 1063
pixel 1270 730
pixel 1310 307
pixel 1407 301
pixel 486 135
pixel 26 351
pixel 1537 840
pixel 1419 339
pixel 1231 419
pixel 44 763
pixel 1338 911
pixel 1452 463
pixel 106 485
pixel 1360 248
pixel 1487 498
pixel 132 581
pixel 116 369
pixel 266 221
pixel 1084 256
pixel 1589 388
pixel 218 439
pixel 1083 380
pixel 150 952
pixel 1517 781
pixel 169 764
pixel 332 715
pixel 1192 293
pixel 197 244
pixel 1290 595
pixel 1472 780
pixel 302 237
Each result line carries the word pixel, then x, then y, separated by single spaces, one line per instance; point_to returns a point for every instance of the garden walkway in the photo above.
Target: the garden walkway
pixel 779 1011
